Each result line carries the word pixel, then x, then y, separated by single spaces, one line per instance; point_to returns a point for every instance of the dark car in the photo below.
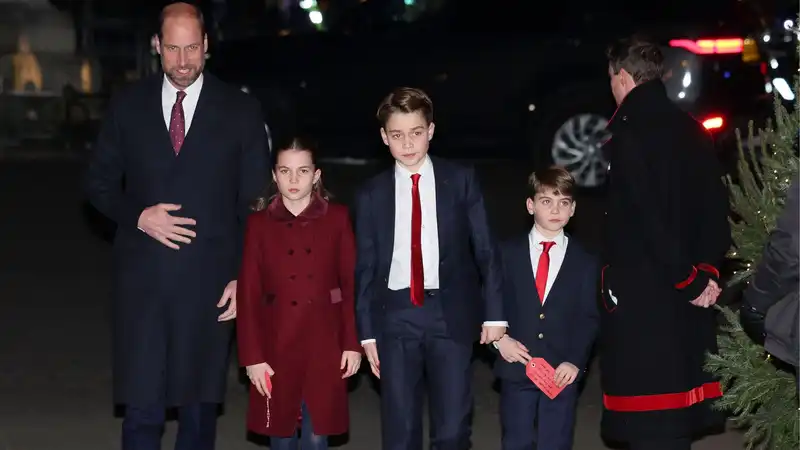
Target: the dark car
pixel 522 80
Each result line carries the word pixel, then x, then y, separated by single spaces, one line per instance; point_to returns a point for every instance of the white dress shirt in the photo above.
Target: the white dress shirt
pixel 169 94
pixel 557 253
pixel 400 269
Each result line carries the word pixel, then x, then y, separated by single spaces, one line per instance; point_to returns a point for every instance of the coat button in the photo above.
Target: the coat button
pixel 288 225
pixel 310 277
pixel 291 252
pixel 308 251
pixel 541 316
pixel 292 277
pixel 541 336
pixel 294 303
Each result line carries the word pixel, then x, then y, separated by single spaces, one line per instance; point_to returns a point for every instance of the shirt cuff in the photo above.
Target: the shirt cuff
pixel 495 323
pixel 367 341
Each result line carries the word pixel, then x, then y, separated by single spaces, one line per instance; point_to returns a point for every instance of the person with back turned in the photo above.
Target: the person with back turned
pixel 667 233
pixel 192 152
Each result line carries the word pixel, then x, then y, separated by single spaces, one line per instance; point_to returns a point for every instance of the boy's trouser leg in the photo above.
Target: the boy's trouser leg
pixel 448 365
pixel 197 427
pixel 401 356
pixel 662 444
pixel 557 419
pixel 518 407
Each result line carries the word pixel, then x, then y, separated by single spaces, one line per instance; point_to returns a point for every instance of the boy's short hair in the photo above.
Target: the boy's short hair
pixel 556 178
pixel 405 100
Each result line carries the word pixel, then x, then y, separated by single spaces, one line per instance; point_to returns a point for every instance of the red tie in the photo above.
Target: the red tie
pixel 417 275
pixel 177 126
pixel 543 268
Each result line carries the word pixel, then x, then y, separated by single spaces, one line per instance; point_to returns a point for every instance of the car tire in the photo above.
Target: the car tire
pixel 570 133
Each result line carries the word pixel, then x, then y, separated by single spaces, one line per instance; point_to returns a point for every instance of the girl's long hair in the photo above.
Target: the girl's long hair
pixel 301 143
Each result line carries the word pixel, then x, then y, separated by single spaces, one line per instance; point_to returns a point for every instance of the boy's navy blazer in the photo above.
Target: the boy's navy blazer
pixel 564 328
pixel 469 273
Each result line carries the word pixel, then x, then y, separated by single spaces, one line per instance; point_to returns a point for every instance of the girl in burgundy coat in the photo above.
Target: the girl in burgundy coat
pixel 296 320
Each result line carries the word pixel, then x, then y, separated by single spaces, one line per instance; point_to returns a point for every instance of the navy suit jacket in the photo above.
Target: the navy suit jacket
pixel 564 328
pixel 469 276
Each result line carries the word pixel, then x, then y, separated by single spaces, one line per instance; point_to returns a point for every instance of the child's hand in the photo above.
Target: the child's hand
pixel 565 374
pixel 351 361
pixel 512 350
pixel 258 376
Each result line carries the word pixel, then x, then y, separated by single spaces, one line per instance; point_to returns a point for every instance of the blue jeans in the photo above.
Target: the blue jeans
pixel 307 439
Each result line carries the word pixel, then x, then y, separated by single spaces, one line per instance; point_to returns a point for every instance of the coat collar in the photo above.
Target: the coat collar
pixel 316 209
pixel 639 102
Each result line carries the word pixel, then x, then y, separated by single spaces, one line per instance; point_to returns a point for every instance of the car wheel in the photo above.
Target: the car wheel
pixel 577 146
pixel 571 133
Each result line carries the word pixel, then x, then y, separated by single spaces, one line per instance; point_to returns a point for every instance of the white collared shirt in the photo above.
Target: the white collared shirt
pixel 557 254
pixel 169 94
pixel 400 269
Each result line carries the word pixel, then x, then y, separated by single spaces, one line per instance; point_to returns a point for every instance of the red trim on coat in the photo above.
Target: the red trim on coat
pixel 688 280
pixel 661 402
pixel 709 268
pixel 603 289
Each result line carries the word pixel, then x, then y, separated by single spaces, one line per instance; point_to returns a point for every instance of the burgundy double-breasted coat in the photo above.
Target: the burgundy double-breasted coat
pixel 296 312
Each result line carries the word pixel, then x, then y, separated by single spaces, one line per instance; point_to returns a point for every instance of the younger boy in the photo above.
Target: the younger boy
pixel 550 300
pixel 424 253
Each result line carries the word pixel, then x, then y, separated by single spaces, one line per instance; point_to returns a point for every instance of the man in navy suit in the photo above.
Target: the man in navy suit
pixel 550 299
pixel 424 253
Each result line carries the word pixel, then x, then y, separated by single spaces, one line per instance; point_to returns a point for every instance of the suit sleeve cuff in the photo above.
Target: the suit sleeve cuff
pixel 367 341
pixel 495 323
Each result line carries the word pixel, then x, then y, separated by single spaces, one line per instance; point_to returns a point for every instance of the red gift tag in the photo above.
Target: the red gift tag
pixel 543 376
pixel 268 380
pixel 268 383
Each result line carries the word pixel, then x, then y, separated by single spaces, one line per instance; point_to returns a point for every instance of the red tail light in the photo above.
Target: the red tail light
pixel 713 123
pixel 710 46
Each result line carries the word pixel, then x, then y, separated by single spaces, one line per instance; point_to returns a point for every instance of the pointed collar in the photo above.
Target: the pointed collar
pixel 317 208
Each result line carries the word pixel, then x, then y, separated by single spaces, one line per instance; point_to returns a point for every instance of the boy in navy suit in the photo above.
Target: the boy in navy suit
pixel 549 298
pixel 427 280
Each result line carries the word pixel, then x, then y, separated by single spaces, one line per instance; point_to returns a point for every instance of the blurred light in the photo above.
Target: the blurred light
pixel 713 123
pixel 410 2
pixel 687 79
pixel 710 46
pixel 766 37
pixel 681 95
pixel 316 17
pixel 783 88
pixel 307 4
pixel 768 88
pixel 773 63
pixel 788 24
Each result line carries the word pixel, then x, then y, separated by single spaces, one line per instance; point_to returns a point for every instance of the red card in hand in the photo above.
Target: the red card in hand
pixel 268 380
pixel 543 376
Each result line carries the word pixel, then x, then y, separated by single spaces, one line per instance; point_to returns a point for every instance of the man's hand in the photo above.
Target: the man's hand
pixel 565 374
pixel 490 334
pixel 258 376
pixel 228 295
pixel 351 361
pixel 371 349
pixel 512 350
pixel 709 296
pixel 157 222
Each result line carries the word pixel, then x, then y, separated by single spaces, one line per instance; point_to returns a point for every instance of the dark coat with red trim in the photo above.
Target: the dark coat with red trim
pixel 296 312
pixel 666 233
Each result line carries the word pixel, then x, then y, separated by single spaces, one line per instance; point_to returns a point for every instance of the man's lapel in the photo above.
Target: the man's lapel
pixel 154 119
pixel 528 296
pixel 203 119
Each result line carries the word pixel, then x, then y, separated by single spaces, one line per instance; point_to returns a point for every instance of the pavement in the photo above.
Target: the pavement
pixel 55 375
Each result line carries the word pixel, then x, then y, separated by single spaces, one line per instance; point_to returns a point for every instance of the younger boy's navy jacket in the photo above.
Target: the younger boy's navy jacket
pixel 562 329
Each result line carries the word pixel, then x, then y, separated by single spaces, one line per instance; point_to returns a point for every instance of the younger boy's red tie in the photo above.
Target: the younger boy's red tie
pixel 417 274
pixel 543 268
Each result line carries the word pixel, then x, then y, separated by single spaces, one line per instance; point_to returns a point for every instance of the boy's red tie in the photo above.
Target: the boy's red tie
pixel 417 274
pixel 543 268
pixel 177 123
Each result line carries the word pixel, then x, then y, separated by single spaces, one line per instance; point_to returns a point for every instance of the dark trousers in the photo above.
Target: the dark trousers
pixel 522 404
pixel 142 427
pixel 415 343
pixel 664 444
pixel 307 440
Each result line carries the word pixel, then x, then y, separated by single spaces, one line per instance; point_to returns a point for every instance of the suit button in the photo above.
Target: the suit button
pixel 291 252
pixel 541 336
pixel 294 303
pixel 541 316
